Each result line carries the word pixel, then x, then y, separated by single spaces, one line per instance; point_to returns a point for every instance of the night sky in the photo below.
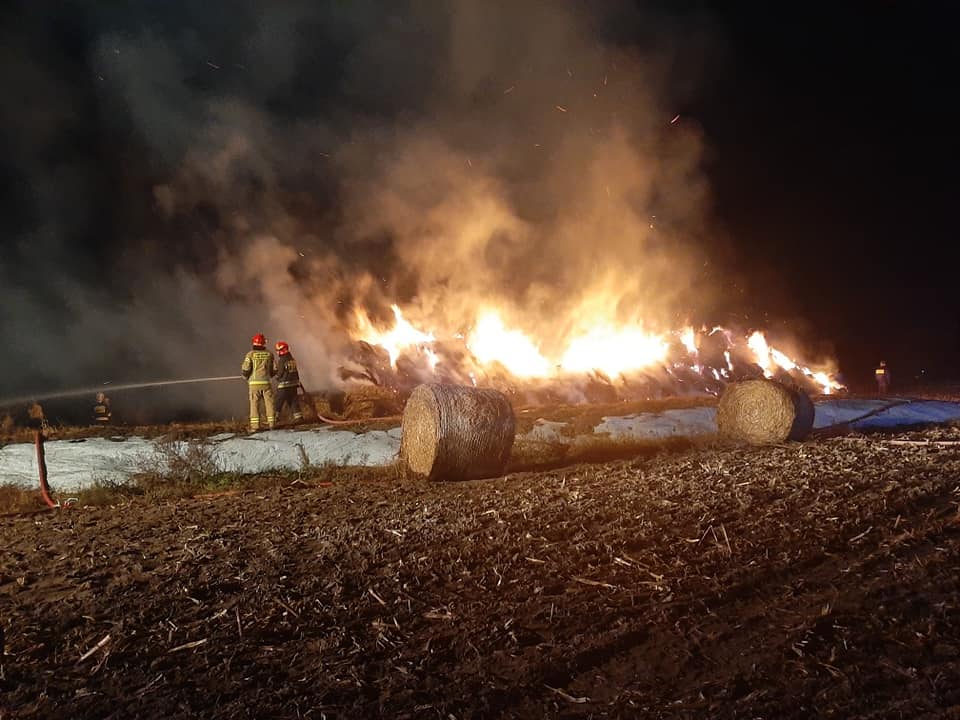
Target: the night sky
pixel 835 161
pixel 829 135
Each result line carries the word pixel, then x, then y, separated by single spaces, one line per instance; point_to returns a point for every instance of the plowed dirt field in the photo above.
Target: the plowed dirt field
pixel 807 580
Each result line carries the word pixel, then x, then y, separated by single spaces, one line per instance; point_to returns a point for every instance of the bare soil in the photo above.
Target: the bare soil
pixel 805 580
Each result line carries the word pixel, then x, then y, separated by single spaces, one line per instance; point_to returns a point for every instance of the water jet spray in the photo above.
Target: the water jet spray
pixel 112 388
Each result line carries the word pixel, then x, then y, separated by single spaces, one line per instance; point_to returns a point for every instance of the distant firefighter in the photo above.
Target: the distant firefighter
pixel 258 368
pixel 101 410
pixel 883 378
pixel 288 382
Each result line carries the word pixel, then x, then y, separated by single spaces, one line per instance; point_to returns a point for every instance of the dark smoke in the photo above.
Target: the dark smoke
pixel 181 175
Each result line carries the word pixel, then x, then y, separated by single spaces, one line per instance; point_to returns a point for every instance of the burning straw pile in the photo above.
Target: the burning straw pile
pixel 451 432
pixel 761 412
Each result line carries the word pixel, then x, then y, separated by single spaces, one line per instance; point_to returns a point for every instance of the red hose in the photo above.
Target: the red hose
pixel 42 467
pixel 328 421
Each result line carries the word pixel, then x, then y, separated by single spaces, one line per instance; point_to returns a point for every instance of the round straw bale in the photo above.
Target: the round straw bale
pixel 762 411
pixel 451 432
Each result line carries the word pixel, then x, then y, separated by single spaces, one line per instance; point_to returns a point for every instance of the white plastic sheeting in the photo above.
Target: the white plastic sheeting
pixel 75 464
pixel 858 414
pixel 686 422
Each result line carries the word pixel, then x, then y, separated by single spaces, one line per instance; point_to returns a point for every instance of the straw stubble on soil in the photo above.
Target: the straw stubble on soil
pixel 783 582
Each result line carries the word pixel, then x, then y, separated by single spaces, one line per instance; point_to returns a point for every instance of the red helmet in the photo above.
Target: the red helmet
pixel 259 340
pixel 282 348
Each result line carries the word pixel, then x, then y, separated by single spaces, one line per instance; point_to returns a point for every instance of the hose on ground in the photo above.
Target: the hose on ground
pixel 42 468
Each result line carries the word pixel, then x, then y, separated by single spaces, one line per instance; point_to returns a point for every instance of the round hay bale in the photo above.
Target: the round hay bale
pixel 760 412
pixel 451 432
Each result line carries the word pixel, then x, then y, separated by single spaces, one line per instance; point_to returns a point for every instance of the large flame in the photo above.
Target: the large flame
pixel 491 342
pixel 770 360
pixel 604 347
pixel 688 336
pixel 613 351
pixel 401 336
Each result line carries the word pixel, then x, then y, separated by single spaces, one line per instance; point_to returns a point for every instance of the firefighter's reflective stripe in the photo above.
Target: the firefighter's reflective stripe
pixel 288 375
pixel 881 371
pixel 101 413
pixel 258 382
pixel 258 366
pixel 260 393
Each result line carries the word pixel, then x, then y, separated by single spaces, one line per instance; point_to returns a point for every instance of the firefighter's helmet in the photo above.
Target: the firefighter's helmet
pixel 259 340
pixel 282 348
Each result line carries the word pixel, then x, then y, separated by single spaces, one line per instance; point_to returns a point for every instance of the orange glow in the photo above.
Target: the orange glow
pixel 400 337
pixel 689 340
pixel 770 359
pixel 761 352
pixel 613 351
pixel 601 345
pixel 491 342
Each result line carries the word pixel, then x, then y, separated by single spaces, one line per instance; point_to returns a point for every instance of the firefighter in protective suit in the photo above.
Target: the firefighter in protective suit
pixel 258 368
pixel 101 410
pixel 288 382
pixel 882 374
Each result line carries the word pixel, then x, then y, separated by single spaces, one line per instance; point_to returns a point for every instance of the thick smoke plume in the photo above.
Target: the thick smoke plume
pixel 229 168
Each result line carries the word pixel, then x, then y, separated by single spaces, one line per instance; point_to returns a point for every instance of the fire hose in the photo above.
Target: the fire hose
pixel 42 461
pixel 39 438
pixel 42 468
pixel 331 421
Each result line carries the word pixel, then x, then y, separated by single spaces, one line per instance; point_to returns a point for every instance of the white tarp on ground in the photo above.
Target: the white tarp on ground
pixel 75 464
pixel 859 414
pixel 686 422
